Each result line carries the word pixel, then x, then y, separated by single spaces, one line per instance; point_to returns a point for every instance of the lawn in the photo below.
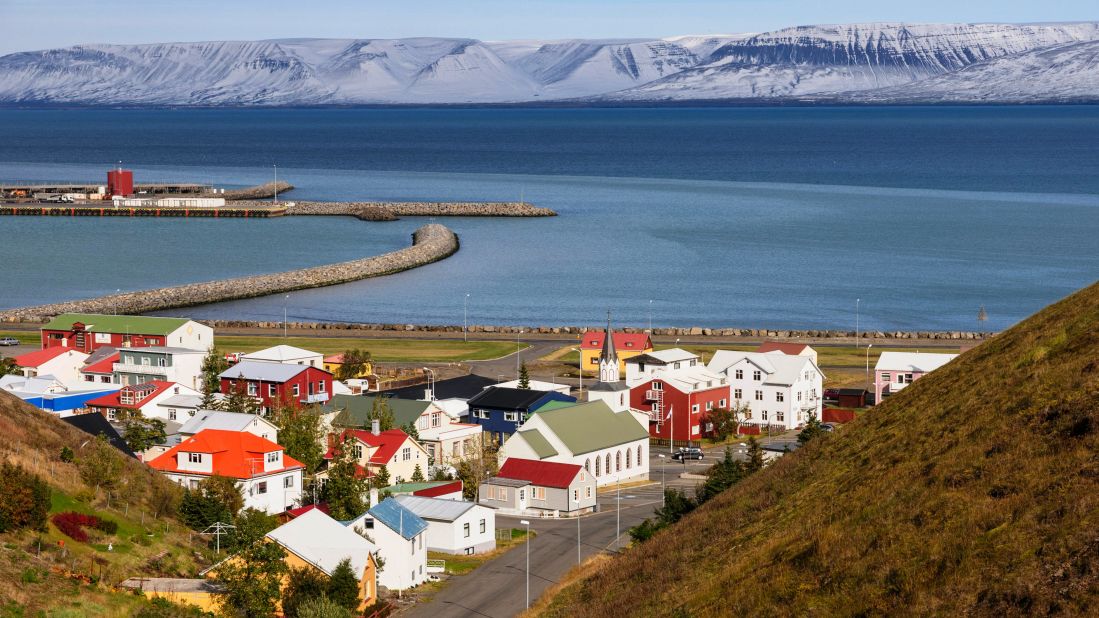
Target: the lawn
pixel 462 564
pixel 24 336
pixel 384 350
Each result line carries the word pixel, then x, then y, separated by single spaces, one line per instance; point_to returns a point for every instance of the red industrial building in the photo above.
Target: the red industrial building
pixel 273 383
pixel 120 182
pixel 678 401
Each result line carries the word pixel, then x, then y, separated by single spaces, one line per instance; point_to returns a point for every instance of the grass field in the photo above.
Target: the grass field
pixel 462 564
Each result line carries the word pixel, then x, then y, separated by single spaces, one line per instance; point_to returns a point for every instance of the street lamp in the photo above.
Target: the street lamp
pixel 618 516
pixel 284 301
pixel 580 394
pixel 650 317
pixel 432 371
pixel 857 301
pixel 465 319
pixel 662 462
pixel 577 528
pixel 519 332
pixel 527 524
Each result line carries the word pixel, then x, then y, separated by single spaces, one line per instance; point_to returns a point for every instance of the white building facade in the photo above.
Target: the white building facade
pixel 454 526
pixel 780 390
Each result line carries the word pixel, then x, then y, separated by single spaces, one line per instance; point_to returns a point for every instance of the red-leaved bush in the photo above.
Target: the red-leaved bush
pixel 72 524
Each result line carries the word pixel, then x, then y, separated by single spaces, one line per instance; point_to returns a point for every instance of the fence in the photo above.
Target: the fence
pixel 436 566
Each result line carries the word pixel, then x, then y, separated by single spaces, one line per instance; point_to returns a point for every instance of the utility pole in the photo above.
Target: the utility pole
pixel 527 524
pixel 465 319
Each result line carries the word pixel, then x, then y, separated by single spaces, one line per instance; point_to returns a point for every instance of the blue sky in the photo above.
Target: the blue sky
pixel 39 24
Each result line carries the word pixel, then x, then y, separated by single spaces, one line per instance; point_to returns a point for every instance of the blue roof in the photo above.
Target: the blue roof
pixel 398 518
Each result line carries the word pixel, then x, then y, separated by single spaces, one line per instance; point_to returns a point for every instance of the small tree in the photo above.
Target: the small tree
pixel 67 454
pixel 9 368
pixel 302 585
pixel 345 487
pixel 224 490
pixel 354 364
pixel 418 475
pixel 755 456
pixel 381 479
pixel 239 400
pixel 380 412
pixel 410 429
pixel 473 470
pixel 199 511
pixel 252 580
pixel 300 433
pixel 100 463
pixel 343 586
pixel 723 422
pixel 141 434
pixel 26 499
pixel 524 377
pixel 251 526
pixel 721 476
pixel 322 607
pixel 213 365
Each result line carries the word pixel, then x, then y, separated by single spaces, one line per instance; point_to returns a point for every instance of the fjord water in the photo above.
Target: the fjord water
pixel 753 217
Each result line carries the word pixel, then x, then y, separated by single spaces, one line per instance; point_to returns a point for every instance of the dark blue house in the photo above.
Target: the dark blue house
pixel 499 411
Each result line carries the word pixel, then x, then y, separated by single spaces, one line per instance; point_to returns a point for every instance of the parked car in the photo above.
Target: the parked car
pixel 691 452
pixel 9 341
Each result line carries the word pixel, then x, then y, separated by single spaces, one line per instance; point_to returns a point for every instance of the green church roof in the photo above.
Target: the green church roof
pixel 592 426
pixel 538 443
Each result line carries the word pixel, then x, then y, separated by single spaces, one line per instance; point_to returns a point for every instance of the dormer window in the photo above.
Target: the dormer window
pixel 273 457
pixel 195 458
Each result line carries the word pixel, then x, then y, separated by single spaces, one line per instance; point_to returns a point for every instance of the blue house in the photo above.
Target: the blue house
pixel 500 411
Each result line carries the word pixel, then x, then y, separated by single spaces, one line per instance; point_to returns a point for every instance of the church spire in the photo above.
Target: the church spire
pixel 608 358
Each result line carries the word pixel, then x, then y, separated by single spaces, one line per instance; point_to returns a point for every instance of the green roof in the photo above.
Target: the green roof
pixel 354 410
pixel 99 323
pixel 553 405
pixel 407 488
pixel 592 426
pixel 538 443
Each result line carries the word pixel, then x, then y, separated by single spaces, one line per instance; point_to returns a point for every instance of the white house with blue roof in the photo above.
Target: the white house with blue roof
pixel 400 536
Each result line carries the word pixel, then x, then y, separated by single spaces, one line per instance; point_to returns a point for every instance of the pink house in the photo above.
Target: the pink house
pixel 896 370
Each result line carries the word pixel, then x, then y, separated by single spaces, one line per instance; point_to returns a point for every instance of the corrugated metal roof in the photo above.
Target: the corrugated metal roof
pixel 912 361
pixel 323 542
pixel 436 509
pixel 398 518
pixel 538 443
pixel 280 353
pixel 543 473
pixel 592 426
pixel 132 324
pixel 215 419
pixel 262 370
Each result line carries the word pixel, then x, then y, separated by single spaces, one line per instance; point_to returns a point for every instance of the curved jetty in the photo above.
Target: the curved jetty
pixel 430 243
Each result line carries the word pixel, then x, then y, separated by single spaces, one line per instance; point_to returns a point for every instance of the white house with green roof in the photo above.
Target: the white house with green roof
pixel 611 446
pixel 88 332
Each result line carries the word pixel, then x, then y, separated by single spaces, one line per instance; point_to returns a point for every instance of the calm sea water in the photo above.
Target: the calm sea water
pixel 719 217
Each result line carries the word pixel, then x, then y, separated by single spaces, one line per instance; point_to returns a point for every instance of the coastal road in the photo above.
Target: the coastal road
pixel 505 367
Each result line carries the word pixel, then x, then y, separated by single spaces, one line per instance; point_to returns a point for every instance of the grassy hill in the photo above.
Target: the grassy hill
pixel 974 491
pixel 47 573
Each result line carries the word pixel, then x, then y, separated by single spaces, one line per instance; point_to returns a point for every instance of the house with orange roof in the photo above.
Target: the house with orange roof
pixel 393 448
pixel 64 364
pixel 269 480
pixel 138 400
pixel 626 345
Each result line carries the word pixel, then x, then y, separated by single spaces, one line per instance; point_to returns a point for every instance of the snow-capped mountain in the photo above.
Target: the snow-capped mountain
pixel 855 62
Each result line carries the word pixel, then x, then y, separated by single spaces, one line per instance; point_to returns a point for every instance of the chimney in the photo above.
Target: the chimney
pixel 373 497
pixel 375 426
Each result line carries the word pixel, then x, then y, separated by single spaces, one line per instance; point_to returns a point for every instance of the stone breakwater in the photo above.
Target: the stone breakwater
pixel 422 209
pixel 430 243
pixel 258 192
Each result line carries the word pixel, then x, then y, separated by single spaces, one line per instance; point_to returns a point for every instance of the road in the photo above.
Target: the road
pixel 505 367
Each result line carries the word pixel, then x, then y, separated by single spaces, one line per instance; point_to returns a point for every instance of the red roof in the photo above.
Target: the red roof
pixel 622 341
pixel 237 454
pixel 542 473
pixel 106 365
pixel 113 400
pixel 302 510
pixel 790 349
pixel 440 490
pixel 38 357
pixel 386 443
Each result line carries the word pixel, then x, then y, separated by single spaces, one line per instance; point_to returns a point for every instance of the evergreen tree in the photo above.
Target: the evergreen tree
pixel 100 463
pixel 26 499
pixel 410 429
pixel 343 587
pixel 239 400
pixel 252 581
pixel 418 475
pixel 200 511
pixel 302 586
pixel 381 479
pixel 213 364
pixel 755 456
pixel 225 490
pixel 380 411
pixel 141 434
pixel 344 489
pixel 300 433
pixel 721 476
pixel 813 429
pixel 524 377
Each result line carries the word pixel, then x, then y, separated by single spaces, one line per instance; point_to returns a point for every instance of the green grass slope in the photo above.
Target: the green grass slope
pixel 975 491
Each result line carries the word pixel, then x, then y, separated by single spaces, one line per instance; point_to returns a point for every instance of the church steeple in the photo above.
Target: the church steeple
pixel 608 358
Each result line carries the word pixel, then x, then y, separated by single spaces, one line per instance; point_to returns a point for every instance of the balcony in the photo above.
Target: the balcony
pixel 142 369
pixel 317 398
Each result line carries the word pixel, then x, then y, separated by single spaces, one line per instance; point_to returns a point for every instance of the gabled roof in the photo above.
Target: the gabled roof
pixel 323 542
pixel 781 369
pixel 538 443
pixel 94 424
pixel 435 509
pixel 182 401
pixel 216 419
pixel 398 518
pixel 553 405
pixel 593 340
pixel 591 426
pixel 355 410
pixel 263 371
pixel 103 365
pixel 690 379
pixel 132 324
pixel 542 473
pixel 113 400
pixel 462 387
pixel 793 349
pixel 427 489
pixel 922 362
pixel 499 398
pixel 39 357
pixel 236 454
pixel 279 354
pixel 663 357
pixel 386 442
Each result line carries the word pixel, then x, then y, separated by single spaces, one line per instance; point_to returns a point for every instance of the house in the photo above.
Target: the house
pixel 538 385
pixel 451 395
pixel 286 355
pixel 677 401
pixel 99 366
pixel 628 345
pixel 641 367
pixel 96 425
pixel 61 363
pixel 169 364
pixel 611 446
pixel 393 448
pixel 48 393
pixel 269 480
pixel 333 362
pixel 313 540
pixel 140 400
pixel 780 391
pixel 400 536
pixel 790 349
pixel 500 411
pixel 272 383
pixel 445 440
pixel 454 526
pixel 178 408
pixel 88 332
pixel 201 593
pixel 896 370
pixel 543 487
pixel 230 421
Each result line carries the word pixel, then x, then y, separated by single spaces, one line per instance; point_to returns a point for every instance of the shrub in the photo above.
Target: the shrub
pixel 26 499
pixel 72 524
pixel 67 455
pixel 106 526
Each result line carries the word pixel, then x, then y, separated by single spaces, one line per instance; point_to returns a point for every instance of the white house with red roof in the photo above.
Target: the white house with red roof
pixel 64 364
pixel 99 366
pixel 142 399
pixel 790 349
pixel 393 448
pixel 525 486
pixel 269 480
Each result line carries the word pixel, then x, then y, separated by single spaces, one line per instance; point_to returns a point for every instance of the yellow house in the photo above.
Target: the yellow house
pixel 201 593
pixel 314 540
pixel 624 345
pixel 333 363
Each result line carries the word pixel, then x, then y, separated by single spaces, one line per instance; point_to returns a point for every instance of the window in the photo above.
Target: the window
pixel 618 461
pixel 358 450
pixel 694 409
pixel 658 386
pixel 757 375
pixel 288 482
pixel 171 414
pixel 587 492
pixel 597 466
pixel 501 493
pixel 748 414
pixel 511 416
pixel 759 395
pixel 709 405
pixel 89 378
pixel 779 396
pixel 321 386
pixel 482 526
pixel 739 374
pixel 161 361
pixel 629 459
pixel 272 457
pixel 886 377
pixel 465 530
pixel 406 453
pixel 270 390
pixel 253 390
pixel 436 419
pixel 587 465
pixel 296 390
pixel 639 460
pixel 780 416
pixel 261 487
pixel 722 403
pixel 595 360
pixel 105 379
pixel 738 394
pixel 694 430
pixel 538 493
pixel 576 496
pixel 607 463
pixel 763 415
pixel 522 495
pixel 194 457
pixel 799 395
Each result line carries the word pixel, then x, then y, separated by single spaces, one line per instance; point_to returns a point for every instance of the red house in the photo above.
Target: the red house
pixel 677 401
pixel 271 383
pixel 88 332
